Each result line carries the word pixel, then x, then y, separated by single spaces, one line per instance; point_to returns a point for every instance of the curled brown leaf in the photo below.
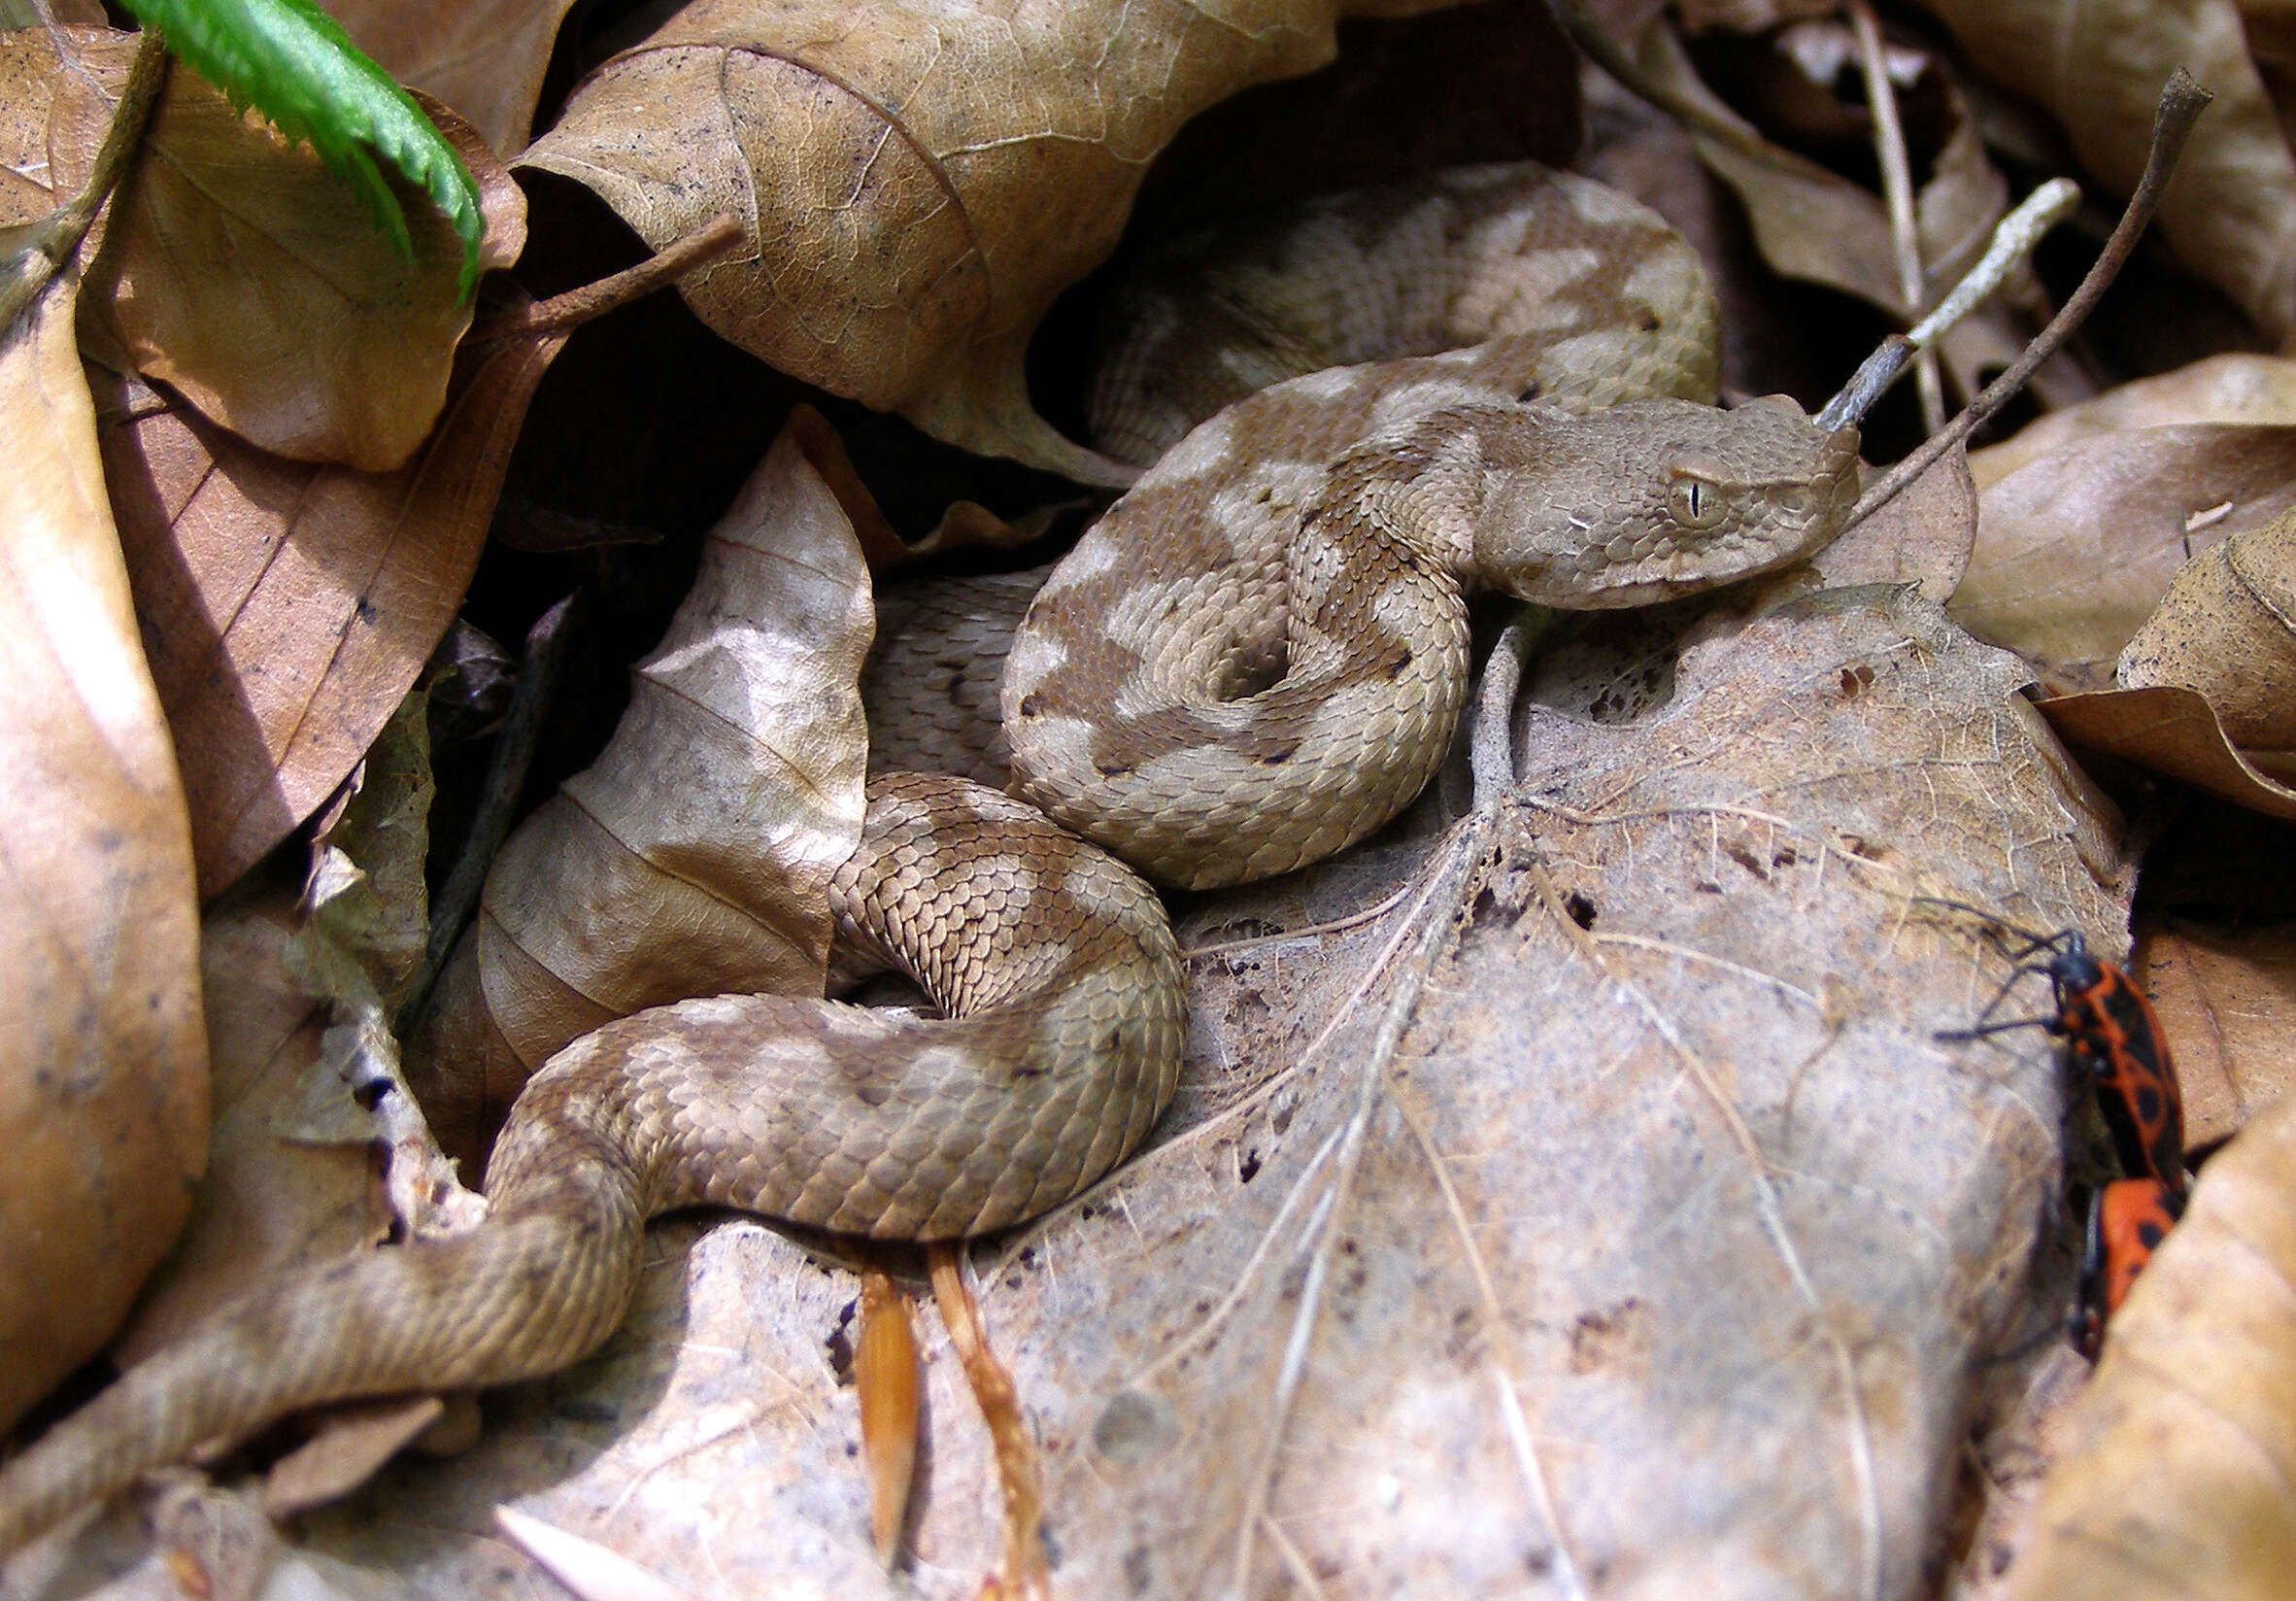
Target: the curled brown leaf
pixel 2227 629
pixel 103 1068
pixel 2076 549
pixel 286 608
pixel 2233 387
pixel 918 182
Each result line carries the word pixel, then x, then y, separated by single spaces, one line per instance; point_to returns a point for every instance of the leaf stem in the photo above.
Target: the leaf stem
pixel 58 239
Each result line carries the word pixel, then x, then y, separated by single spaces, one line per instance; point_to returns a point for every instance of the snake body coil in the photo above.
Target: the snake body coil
pixel 1257 656
pixel 1047 1072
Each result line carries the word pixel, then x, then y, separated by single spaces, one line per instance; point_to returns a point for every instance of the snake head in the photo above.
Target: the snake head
pixel 1655 499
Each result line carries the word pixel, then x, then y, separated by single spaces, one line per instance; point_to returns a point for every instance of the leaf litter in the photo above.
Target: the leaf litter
pixel 1571 1197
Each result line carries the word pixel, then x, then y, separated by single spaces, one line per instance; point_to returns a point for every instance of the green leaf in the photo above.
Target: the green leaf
pixel 294 63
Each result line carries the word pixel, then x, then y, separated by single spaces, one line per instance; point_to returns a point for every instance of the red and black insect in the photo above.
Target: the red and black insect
pixel 2115 1041
pixel 2116 1044
pixel 2128 1220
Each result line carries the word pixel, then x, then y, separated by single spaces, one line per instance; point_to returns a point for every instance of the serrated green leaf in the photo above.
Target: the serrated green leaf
pixel 294 63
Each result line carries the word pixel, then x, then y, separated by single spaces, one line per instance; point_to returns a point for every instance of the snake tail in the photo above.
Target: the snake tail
pixel 1061 1047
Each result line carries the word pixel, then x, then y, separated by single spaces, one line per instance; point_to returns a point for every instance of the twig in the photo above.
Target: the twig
pixel 547 643
pixel 1897 193
pixel 577 306
pixel 2013 239
pixel 1489 754
pixel 1308 931
pixel 2180 104
pixel 59 238
pixel 1607 53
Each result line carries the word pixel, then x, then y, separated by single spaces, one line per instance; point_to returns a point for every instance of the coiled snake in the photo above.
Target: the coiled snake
pixel 1253 660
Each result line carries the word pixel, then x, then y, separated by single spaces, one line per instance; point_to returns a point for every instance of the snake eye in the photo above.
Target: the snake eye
pixel 1693 502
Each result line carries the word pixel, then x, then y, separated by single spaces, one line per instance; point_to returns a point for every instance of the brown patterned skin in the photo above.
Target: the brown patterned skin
pixel 1066 1014
pixel 1527 276
pixel 1258 653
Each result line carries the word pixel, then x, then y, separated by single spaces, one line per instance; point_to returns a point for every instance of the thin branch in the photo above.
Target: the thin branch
pixel 575 307
pixel 547 648
pixel 1610 55
pixel 1024 1575
pixel 57 240
pixel 1490 750
pixel 2180 104
pixel 2013 239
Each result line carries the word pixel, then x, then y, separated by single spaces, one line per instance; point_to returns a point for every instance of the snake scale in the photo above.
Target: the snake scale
pixel 1255 658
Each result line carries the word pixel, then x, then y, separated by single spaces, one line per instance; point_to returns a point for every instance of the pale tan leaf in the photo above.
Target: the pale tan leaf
pixel 366 889
pixel 2234 387
pixel 264 1201
pixel 484 59
pixel 2183 1450
pixel 1559 1320
pixel 103 1072
pixel 351 1444
pixel 238 269
pixel 2173 730
pixel 2099 68
pixel 316 1148
pixel 693 857
pixel 918 182
pixel 2076 549
pixel 2227 629
pixel 286 608
pixel 1923 537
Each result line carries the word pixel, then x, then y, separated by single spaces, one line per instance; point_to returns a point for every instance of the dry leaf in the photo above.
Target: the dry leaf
pixel 692 858
pixel 2074 550
pixel 238 269
pixel 918 182
pixel 103 1073
pixel 1813 224
pixel 1922 537
pixel 317 1148
pixel 265 1199
pixel 354 1441
pixel 2183 1447
pixel 2228 1000
pixel 1668 1259
pixel 2231 213
pixel 2227 628
pixel 2173 730
pixel 2235 387
pixel 486 60
pixel 288 608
